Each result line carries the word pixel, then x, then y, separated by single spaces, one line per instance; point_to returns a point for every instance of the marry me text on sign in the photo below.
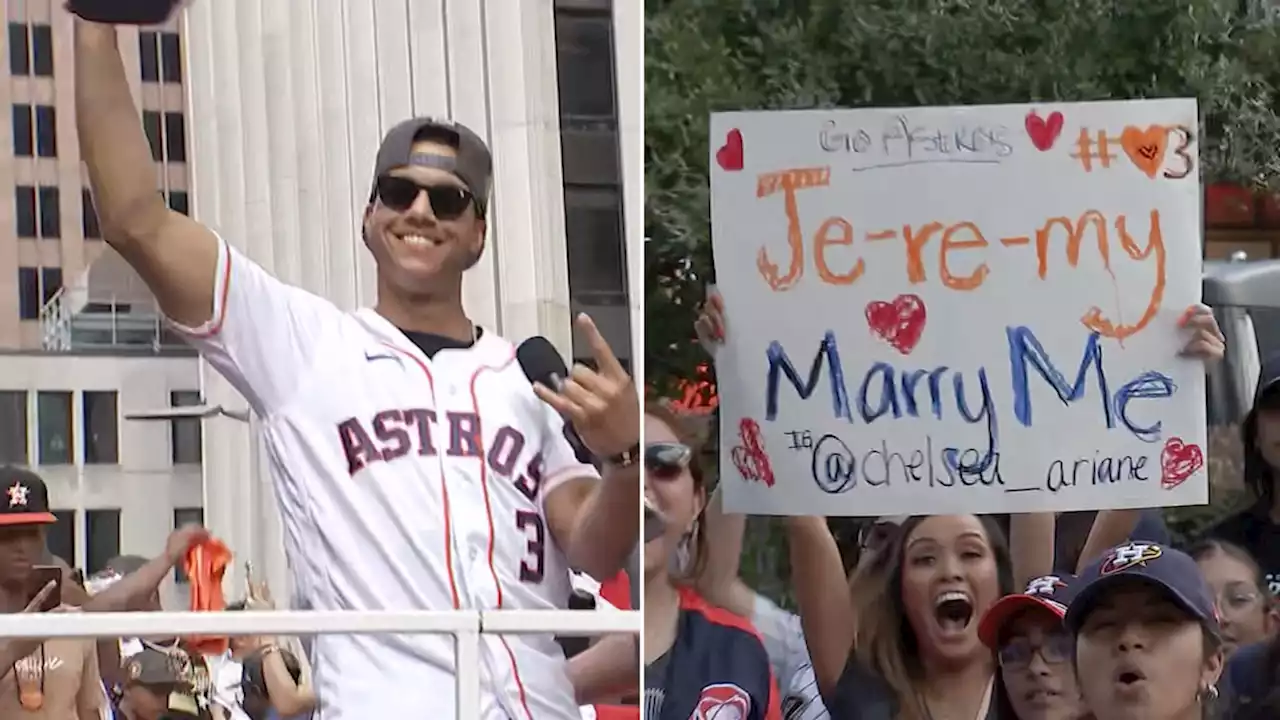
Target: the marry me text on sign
pixel 959 309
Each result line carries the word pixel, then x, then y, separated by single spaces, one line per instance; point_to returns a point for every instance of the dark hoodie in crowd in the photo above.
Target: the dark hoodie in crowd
pixel 1252 528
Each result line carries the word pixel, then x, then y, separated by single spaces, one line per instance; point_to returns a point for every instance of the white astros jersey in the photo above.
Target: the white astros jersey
pixel 404 483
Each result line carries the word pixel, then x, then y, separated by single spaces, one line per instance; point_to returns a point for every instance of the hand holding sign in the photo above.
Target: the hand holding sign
pixel 1206 342
pixel 710 323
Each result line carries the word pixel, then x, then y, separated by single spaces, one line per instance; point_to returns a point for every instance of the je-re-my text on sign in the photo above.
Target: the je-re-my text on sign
pixel 967 309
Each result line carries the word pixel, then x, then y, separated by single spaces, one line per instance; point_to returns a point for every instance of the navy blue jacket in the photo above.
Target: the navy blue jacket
pixel 717 661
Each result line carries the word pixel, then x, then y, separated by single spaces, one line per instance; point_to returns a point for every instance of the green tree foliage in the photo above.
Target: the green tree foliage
pixel 703 56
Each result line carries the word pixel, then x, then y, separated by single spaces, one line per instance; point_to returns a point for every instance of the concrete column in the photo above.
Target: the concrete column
pixel 288 102
pixel 628 63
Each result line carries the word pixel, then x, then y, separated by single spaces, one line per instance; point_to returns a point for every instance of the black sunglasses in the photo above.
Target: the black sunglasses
pixel 667 460
pixel 448 202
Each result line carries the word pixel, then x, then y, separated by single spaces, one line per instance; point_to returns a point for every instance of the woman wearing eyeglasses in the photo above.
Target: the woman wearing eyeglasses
pixel 1247 613
pixel 700 661
pixel 1244 601
pixel 1033 651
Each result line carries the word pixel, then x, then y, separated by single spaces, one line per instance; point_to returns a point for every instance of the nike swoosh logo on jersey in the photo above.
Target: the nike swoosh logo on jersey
pixel 371 356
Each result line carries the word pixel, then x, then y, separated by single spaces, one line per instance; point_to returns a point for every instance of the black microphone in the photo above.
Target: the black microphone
pixel 125 12
pixel 655 526
pixel 542 364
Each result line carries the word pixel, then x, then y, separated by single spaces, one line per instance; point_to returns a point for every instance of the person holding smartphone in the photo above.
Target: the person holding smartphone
pixel 57 679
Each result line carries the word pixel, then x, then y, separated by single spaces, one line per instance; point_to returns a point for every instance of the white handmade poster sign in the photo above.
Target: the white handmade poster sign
pixel 959 309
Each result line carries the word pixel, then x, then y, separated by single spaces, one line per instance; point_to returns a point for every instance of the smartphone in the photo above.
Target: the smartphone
pixel 42 575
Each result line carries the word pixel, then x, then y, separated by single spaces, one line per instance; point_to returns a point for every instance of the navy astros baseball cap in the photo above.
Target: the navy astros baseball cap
pixel 1171 571
pixel 1052 593
pixel 26 498
pixel 169 671
pixel 473 163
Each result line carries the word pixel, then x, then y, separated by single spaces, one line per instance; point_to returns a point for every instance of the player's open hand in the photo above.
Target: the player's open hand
pixel 1205 340
pixel 602 404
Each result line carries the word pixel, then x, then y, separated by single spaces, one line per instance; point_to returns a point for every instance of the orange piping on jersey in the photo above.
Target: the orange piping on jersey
pixel 488 510
pixel 444 488
pixel 511 656
pixel 221 307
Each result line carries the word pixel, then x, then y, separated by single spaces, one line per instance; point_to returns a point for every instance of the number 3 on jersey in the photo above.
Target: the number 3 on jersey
pixel 531 524
pixel 532 565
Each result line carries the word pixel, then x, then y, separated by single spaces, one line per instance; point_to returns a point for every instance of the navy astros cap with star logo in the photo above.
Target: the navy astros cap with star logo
pixel 26 498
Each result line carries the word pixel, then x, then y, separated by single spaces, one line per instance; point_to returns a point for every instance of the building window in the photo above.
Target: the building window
pixel 46 131
pixel 151 123
pixel 89 216
pixel 584 59
pixel 185 434
pixel 175 136
pixel 161 56
pixel 170 57
pixel 170 141
pixel 50 212
pixel 50 284
pixel 103 530
pixel 60 537
pixel 593 232
pixel 53 423
pixel 42 50
pixel 24 201
pixel 28 293
pixel 101 428
pixel 19 49
pixel 179 201
pixel 183 517
pixel 149 55
pixel 36 287
pixel 13 427
pixel 23 132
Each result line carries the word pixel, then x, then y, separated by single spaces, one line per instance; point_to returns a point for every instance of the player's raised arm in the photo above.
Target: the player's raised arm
pixel 174 255
pixel 595 522
pixel 259 333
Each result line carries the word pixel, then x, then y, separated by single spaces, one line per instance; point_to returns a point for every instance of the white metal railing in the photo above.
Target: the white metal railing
pixel 55 323
pixel 465 625
pixel 68 322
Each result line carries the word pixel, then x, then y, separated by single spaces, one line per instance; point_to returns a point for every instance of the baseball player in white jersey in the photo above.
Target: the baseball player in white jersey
pixel 415 465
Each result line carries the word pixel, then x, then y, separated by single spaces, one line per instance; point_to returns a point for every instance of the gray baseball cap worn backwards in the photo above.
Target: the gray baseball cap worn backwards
pixel 473 164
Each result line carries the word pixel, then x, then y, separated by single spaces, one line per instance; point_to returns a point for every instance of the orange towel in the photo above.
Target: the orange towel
pixel 205 564
pixel 617 712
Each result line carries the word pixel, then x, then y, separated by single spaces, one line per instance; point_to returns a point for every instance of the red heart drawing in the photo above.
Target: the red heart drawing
pixel 749 456
pixel 729 156
pixel 900 323
pixel 1178 461
pixel 1044 134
